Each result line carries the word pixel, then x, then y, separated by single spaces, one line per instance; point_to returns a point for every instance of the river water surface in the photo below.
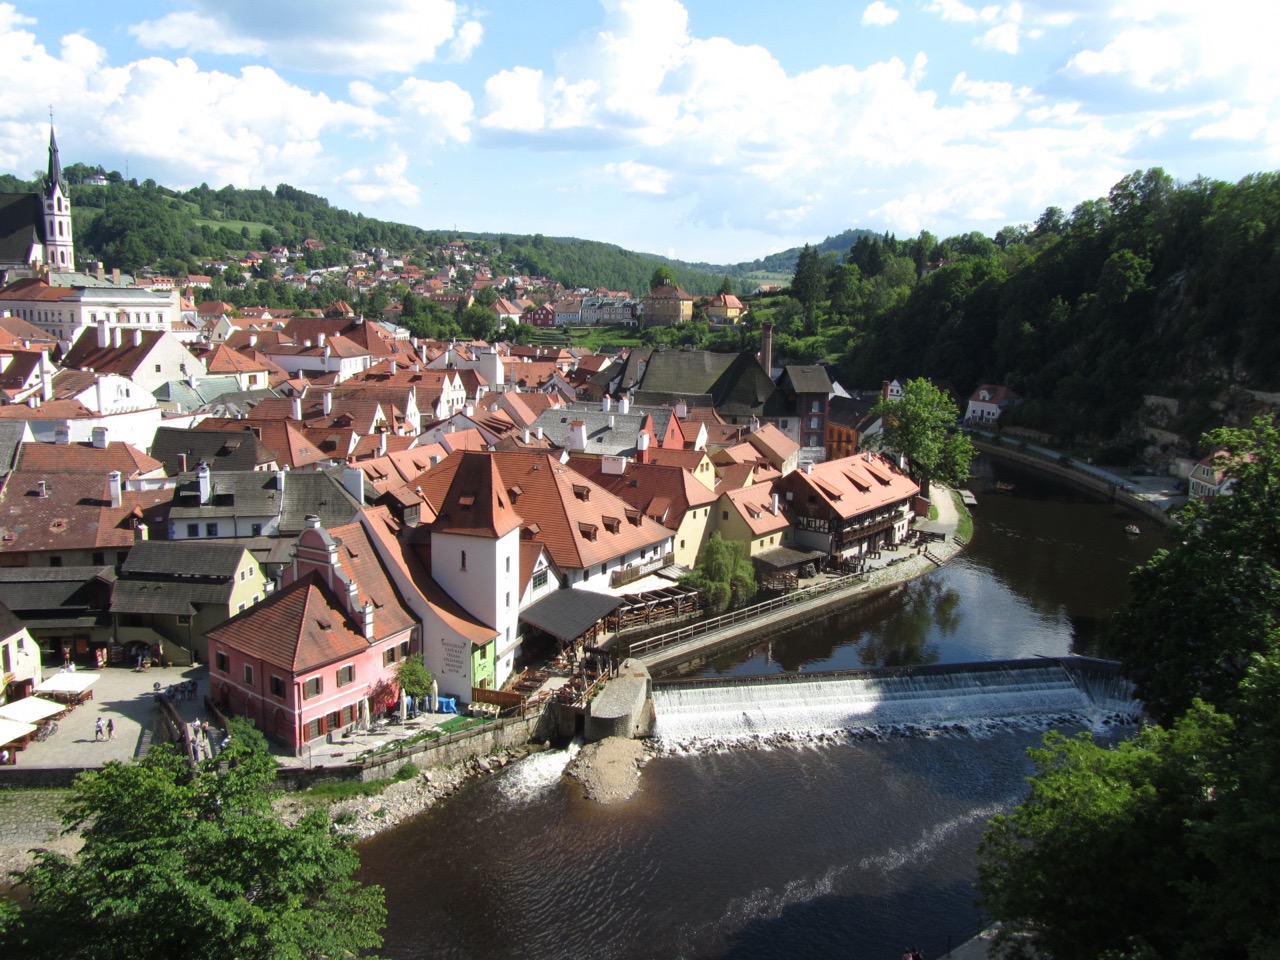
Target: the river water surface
pixel 851 849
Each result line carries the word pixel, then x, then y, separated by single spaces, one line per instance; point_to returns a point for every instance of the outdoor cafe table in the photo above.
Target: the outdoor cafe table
pixel 31 710
pixel 14 733
pixel 72 686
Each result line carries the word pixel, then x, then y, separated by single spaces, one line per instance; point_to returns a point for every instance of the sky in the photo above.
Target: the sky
pixel 709 130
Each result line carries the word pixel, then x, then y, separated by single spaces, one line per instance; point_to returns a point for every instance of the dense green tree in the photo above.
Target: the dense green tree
pixel 1103 858
pixel 194 864
pixel 662 277
pixel 1221 580
pixel 413 676
pixel 921 425
pixel 726 286
pixel 724 576
pixel 807 284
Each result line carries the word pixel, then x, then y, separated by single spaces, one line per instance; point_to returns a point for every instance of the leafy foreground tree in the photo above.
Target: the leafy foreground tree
pixel 177 864
pixel 921 425
pixel 1169 845
pixel 723 575
pixel 1201 610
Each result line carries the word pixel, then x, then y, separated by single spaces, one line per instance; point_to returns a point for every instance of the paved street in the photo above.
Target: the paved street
pixel 125 698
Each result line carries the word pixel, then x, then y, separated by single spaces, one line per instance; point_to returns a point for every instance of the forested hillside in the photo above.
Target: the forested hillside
pixel 133 225
pixel 1157 288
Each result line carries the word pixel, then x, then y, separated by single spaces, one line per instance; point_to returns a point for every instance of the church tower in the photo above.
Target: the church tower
pixel 59 250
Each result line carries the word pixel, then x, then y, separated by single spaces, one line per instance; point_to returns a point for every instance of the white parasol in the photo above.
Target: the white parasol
pixel 31 710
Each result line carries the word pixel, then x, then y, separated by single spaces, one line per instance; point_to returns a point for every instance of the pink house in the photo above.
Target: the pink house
pixel 321 652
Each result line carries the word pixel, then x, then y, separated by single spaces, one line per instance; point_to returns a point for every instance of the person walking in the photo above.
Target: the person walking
pixel 111 729
pixel 97 729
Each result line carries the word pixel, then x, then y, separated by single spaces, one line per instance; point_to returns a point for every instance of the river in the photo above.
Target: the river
pixel 851 849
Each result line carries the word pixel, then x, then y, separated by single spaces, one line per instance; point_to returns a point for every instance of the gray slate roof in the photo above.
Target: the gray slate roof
pixel 10 440
pixel 807 378
pixel 183 558
pixel 568 614
pixel 177 597
pixel 222 450
pixel 256 493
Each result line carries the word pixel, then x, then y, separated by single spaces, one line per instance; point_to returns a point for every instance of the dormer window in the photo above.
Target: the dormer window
pixel 582 492
pixel 589 531
pixel 612 524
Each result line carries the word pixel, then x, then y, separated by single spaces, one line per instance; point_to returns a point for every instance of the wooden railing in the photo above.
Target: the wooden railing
pixel 650 645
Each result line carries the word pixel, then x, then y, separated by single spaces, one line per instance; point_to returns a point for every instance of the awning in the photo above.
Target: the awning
pixel 68 683
pixel 782 558
pixel 568 614
pixel 11 730
pixel 30 710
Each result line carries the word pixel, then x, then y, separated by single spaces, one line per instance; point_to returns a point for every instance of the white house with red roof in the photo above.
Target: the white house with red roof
pixel 987 403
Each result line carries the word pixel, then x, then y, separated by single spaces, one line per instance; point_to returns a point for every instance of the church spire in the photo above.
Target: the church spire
pixel 55 165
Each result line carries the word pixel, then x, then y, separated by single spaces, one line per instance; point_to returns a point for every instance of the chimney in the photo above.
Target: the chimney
pixel 307 342
pixel 116 335
pixel 182 463
pixel 353 480
pixel 115 276
pixel 280 483
pixel 296 413
pixel 682 410
pixel 42 488
pixel 766 349
pixel 611 421
pixel 320 339
pixel 100 437
pixel 775 505
pixel 624 405
pixel 114 479
pixel 253 338
pixel 99 271
pixel 808 467
pixel 382 444
pixel 469 410
pixel 62 433
pixel 642 448
pixel 578 436
pixel 537 432
pixel 606 404
pixel 326 402
pixel 104 334
pixel 206 482
pixel 393 368
pixel 46 380
pixel 312 521
pixel 137 337
pixel 884 389
pixel 367 619
pixel 526 436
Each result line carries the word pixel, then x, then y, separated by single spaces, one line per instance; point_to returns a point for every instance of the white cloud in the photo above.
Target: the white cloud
pixel 1003 39
pixel 639 177
pixel 438 111
pixel 383 182
pixel 953 10
pixel 1248 124
pixel 393 36
pixel 879 14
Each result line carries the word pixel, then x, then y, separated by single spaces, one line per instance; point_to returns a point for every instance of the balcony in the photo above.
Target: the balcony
pixel 622 577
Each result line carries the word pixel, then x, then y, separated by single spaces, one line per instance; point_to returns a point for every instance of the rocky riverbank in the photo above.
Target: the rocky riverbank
pixel 361 817
pixel 609 770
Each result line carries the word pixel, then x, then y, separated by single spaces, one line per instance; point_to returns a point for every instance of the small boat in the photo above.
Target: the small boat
pixel 1132 530
pixel 1004 487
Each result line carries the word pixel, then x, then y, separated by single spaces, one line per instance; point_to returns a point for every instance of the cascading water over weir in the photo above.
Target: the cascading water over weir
pixel 745 708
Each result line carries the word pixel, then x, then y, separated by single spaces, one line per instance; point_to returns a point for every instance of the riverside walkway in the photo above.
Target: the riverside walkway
pixel 691 643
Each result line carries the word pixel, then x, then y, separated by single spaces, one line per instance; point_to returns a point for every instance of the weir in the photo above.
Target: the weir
pixel 930 696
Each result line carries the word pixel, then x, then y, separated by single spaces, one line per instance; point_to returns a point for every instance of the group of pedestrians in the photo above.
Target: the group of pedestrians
pixel 104 732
